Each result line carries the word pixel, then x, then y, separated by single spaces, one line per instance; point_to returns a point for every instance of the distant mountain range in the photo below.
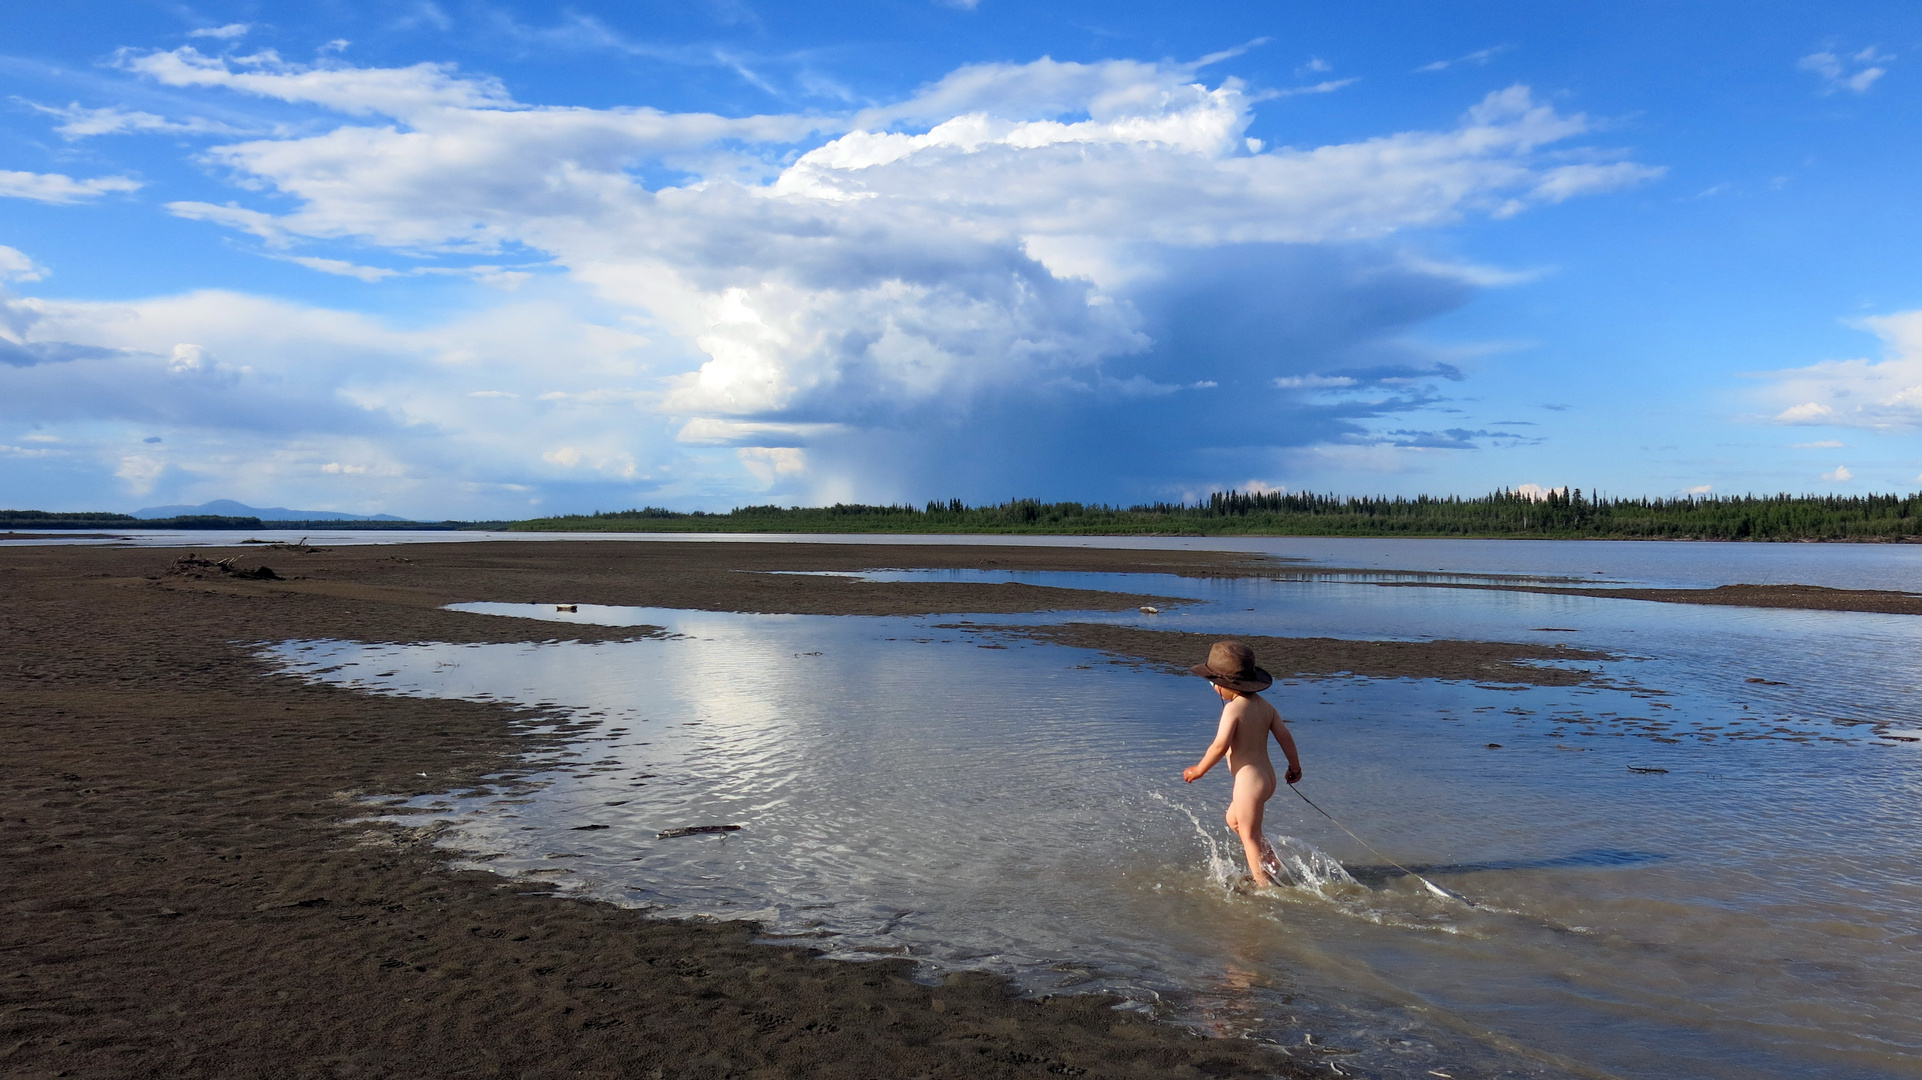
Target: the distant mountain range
pixel 230 508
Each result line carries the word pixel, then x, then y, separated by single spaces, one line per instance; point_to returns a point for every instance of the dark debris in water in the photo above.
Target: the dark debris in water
pixel 698 830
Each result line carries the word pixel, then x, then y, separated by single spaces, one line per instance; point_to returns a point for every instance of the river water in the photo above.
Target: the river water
pixel 928 787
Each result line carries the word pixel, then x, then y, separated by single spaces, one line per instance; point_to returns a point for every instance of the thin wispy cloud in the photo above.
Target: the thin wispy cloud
pixel 1853 72
pixel 1326 86
pixel 60 188
pixel 16 266
pixel 1478 58
pixel 79 122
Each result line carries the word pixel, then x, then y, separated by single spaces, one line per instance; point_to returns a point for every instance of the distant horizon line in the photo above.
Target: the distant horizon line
pixel 1257 501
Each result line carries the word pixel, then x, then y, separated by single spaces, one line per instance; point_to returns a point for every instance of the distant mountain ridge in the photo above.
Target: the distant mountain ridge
pixel 230 508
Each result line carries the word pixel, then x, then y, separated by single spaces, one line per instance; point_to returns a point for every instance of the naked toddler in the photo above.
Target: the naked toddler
pixel 1246 720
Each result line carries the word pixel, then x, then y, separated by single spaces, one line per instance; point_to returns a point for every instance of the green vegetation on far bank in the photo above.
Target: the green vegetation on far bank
pixel 1560 515
pixel 41 519
pixel 1506 514
pixel 105 522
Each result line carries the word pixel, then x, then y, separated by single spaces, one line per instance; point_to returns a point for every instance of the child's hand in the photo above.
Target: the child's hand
pixel 1190 773
pixel 1294 774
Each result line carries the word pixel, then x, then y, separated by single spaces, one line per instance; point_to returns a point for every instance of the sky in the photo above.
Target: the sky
pixel 478 260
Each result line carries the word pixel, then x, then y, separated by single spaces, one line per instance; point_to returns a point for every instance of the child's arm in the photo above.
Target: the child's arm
pixel 1287 741
pixel 1224 738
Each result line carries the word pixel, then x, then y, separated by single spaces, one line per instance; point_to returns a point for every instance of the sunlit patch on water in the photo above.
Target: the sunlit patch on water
pixel 1748 911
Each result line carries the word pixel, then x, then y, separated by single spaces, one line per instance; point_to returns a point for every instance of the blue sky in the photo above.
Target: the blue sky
pixel 496 260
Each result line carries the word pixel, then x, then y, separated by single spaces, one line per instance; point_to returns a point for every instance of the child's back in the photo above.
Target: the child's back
pixel 1247 720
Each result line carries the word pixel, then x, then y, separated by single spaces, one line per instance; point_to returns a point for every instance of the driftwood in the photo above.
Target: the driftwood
pixel 192 565
pixel 699 830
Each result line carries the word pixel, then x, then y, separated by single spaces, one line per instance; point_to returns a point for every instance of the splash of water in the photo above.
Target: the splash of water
pixel 1290 862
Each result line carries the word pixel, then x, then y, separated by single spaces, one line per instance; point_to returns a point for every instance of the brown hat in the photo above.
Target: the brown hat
pixel 1232 664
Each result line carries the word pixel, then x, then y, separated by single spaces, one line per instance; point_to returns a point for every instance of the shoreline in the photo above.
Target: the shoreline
pixel 315 529
pixel 192 891
pixel 195 889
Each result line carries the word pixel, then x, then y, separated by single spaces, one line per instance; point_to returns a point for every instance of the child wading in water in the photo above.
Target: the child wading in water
pixel 1246 720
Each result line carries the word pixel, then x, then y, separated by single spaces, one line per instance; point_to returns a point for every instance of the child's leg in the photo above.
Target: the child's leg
pixel 1244 817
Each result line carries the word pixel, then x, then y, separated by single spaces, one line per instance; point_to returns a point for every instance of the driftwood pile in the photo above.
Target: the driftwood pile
pixel 193 566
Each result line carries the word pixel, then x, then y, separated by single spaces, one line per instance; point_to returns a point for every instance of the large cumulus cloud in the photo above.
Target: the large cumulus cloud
pixel 1050 278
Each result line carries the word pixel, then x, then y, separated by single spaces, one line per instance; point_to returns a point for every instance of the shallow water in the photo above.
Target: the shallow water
pixel 1655 563
pixel 1752 911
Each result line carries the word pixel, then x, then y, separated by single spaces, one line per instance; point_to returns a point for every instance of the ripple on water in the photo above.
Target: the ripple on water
pixel 1750 912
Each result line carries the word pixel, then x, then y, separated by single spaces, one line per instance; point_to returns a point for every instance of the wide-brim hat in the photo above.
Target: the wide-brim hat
pixel 1232 664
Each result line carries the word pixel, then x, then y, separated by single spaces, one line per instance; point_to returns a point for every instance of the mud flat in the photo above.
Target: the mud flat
pixel 188 894
pixel 1319 657
pixel 1799 597
pixel 192 891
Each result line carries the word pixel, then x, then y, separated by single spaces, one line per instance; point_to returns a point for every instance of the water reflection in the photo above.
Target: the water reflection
pixel 1750 912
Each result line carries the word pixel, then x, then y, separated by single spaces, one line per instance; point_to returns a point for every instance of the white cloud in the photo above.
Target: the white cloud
pixel 258 397
pixel 404 92
pixel 817 312
pixel 1854 72
pixel 1326 86
pixel 1478 58
pixel 223 33
pixel 234 216
pixel 1824 444
pixel 15 266
pixel 56 188
pixel 342 268
pixel 1700 489
pixel 139 472
pixel 1314 382
pixel 881 266
pixel 1809 412
pixel 1840 475
pixel 81 122
pixel 186 359
pixel 769 464
pixel 1882 395
pixel 709 431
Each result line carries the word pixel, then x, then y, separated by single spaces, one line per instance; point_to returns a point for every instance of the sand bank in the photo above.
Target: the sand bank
pixel 189 895
pixel 1315 658
pixel 186 896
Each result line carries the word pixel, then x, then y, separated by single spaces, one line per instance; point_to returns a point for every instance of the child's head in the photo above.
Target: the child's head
pixel 1231 667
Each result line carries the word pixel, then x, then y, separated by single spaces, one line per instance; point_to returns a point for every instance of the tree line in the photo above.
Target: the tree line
pixel 1560 514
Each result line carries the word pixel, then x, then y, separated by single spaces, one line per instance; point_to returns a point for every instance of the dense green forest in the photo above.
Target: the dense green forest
pixel 1560 515
pixel 105 522
pixel 41 519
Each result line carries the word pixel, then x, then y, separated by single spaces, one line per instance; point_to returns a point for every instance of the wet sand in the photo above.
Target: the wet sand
pixel 1317 658
pixel 1800 597
pixel 186 894
pixel 189 893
